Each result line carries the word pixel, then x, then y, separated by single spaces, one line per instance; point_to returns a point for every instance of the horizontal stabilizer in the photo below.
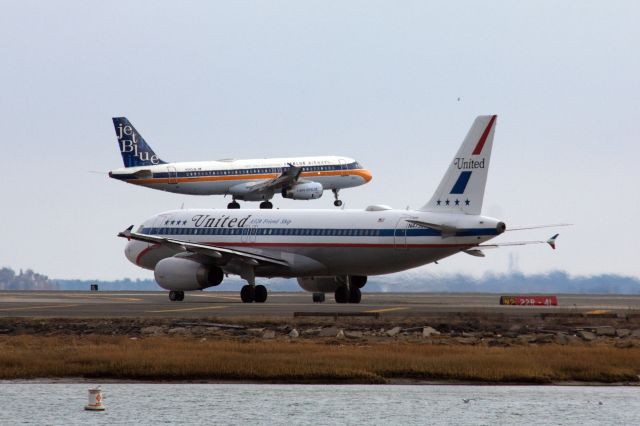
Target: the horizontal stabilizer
pixel 551 241
pixel 526 227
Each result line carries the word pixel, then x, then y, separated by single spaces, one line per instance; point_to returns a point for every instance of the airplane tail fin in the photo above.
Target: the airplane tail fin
pixel 462 187
pixel 135 151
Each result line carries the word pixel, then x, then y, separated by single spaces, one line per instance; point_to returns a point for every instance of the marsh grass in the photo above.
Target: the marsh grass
pixel 171 358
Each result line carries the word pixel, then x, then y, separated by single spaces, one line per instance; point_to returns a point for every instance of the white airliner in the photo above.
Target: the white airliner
pixel 326 250
pixel 299 178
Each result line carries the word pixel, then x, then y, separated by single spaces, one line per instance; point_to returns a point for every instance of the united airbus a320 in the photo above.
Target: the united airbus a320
pixel 328 251
pixel 298 178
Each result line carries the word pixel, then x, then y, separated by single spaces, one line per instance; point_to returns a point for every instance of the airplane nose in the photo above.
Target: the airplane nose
pixel 132 250
pixel 366 175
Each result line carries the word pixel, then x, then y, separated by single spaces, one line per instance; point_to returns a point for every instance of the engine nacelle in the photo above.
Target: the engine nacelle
pixel 303 191
pixel 175 273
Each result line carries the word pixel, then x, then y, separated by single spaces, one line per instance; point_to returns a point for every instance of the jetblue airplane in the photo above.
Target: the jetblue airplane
pixel 299 178
pixel 326 250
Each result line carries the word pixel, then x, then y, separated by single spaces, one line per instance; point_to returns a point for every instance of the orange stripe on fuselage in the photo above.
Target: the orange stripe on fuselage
pixel 364 174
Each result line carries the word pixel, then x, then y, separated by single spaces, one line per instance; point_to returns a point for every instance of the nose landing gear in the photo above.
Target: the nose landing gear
pixel 233 205
pixel 266 205
pixel 337 202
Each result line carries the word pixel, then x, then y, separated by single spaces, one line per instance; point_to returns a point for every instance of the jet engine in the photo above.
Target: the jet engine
pixel 303 191
pixel 328 284
pixel 176 273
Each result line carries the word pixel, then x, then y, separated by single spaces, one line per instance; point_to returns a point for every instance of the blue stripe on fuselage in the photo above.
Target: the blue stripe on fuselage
pixel 317 232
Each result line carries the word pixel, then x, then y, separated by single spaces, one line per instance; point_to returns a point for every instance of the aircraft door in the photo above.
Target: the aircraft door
pixel 400 234
pixel 249 234
pixel 173 175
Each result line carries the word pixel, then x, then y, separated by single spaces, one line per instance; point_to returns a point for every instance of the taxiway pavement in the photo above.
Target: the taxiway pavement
pixel 78 304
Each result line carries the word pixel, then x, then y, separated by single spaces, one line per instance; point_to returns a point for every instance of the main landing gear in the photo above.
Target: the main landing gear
pixel 250 293
pixel 348 294
pixel 176 296
pixel 337 202
pixel 263 205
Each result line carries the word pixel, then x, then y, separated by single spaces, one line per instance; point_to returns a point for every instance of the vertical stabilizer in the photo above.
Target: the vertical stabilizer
pixel 462 187
pixel 135 151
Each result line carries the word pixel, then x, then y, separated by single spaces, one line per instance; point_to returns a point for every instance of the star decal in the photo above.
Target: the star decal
pixel 439 202
pixel 167 222
pixel 457 202
pixel 467 202
pixel 184 222
pixel 173 221
pixel 446 201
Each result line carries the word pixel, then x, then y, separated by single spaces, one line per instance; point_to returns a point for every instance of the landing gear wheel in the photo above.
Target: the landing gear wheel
pixel 247 294
pixel 233 205
pixel 260 294
pixel 176 296
pixel 318 297
pixel 266 205
pixel 342 294
pixel 337 202
pixel 355 295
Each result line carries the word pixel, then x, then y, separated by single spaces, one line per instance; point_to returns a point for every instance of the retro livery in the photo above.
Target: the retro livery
pixel 299 178
pixel 326 250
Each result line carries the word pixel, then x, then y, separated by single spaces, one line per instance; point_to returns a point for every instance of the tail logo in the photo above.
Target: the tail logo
pixel 129 144
pixel 465 164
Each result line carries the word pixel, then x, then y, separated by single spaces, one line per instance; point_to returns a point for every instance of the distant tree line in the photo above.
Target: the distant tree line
pixel 25 280
pixel 408 281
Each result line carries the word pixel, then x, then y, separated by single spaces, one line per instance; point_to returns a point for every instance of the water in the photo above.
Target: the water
pixel 153 404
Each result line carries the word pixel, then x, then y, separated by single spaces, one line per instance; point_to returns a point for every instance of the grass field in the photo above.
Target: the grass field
pixel 186 359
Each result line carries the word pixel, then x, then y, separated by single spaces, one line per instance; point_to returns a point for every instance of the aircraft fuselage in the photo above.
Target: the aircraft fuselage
pixel 317 242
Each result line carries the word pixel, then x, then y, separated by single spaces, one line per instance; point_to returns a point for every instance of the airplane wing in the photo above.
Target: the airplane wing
pixel 202 249
pixel 286 178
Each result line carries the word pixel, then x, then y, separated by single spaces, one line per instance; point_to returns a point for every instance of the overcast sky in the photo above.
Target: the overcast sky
pixel 376 81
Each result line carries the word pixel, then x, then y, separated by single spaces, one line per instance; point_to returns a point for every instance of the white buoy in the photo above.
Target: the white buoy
pixel 95 400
